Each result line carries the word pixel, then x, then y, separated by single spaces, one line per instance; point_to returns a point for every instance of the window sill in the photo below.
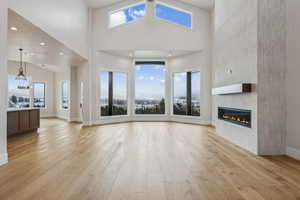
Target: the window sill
pixel 150 115
pixel 186 116
pixel 41 108
pixel 112 117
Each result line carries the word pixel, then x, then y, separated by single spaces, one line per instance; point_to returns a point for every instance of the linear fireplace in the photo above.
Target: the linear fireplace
pixel 236 116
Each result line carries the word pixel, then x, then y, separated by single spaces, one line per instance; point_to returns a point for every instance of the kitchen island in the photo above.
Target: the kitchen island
pixel 22 120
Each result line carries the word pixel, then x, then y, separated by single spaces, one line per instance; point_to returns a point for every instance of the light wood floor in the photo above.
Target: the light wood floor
pixel 140 161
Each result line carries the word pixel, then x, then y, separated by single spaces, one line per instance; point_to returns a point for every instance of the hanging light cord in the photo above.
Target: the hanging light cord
pixel 21 59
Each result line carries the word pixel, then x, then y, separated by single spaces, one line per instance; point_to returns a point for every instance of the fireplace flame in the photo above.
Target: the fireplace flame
pixel 235 119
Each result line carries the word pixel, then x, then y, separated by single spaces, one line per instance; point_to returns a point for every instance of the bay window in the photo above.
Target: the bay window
pixel 186 93
pixel 150 88
pixel 113 93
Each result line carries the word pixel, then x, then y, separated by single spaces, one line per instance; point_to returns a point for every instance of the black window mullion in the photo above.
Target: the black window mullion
pixel 110 93
pixel 189 93
pixel 149 63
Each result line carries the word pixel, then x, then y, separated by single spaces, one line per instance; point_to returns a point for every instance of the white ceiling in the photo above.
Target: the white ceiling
pixel 29 38
pixel 206 4
pixel 149 54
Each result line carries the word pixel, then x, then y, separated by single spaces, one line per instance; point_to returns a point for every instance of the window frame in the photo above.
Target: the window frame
pixel 29 79
pixel 173 89
pixel 134 88
pixel 33 95
pixel 62 96
pixel 176 8
pixel 99 95
pixel 124 8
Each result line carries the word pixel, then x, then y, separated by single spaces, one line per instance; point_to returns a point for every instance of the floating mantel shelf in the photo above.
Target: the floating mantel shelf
pixel 232 89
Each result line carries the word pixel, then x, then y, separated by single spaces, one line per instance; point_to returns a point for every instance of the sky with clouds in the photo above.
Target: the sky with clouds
pixel 174 15
pixel 162 11
pixel 150 82
pixel 127 15
pixel 149 79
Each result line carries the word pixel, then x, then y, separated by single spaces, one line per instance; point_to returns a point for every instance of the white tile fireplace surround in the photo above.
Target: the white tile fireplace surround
pixel 244 53
pixel 245 137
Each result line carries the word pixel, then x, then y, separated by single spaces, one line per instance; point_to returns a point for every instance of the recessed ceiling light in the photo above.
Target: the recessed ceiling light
pixel 169 54
pixel 61 53
pixel 42 43
pixel 14 28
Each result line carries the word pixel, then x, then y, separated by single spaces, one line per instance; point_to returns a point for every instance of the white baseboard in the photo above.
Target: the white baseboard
pixel 292 152
pixel 87 123
pixel 110 120
pixel 62 117
pixel 75 119
pixel 191 120
pixel 48 116
pixel 3 158
pixel 141 118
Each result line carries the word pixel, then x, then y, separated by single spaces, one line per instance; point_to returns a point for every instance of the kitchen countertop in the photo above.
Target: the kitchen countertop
pixel 20 109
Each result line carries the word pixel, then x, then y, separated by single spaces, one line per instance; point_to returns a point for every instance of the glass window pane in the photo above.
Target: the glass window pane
pixel 150 89
pixel 127 15
pixel 119 94
pixel 18 98
pixel 39 95
pixel 104 83
pixel 65 95
pixel 180 92
pixel 196 84
pixel 174 15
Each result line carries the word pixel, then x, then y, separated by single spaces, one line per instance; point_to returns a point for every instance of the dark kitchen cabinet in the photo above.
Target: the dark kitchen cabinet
pixel 22 121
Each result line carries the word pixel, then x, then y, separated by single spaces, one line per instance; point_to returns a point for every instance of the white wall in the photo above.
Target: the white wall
pixel 64 20
pixel 82 77
pixel 271 77
pixel 75 92
pixel 235 48
pixel 59 77
pixel 38 74
pixel 3 82
pixel 292 81
pixel 150 33
pixel 75 75
pixel 250 40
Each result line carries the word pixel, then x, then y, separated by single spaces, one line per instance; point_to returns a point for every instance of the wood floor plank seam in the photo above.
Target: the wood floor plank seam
pixel 140 161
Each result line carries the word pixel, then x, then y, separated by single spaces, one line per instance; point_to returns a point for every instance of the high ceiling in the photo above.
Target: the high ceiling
pixel 206 4
pixel 149 54
pixel 53 55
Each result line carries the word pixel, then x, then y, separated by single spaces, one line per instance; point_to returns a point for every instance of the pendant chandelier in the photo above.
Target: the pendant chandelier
pixel 21 76
pixel 22 70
